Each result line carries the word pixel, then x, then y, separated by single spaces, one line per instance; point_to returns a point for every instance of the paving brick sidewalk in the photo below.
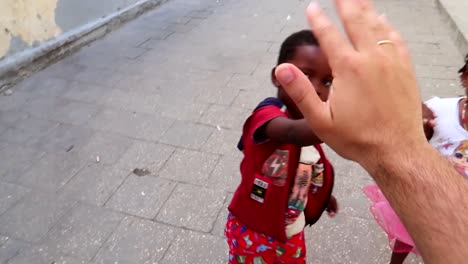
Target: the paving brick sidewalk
pixel 125 151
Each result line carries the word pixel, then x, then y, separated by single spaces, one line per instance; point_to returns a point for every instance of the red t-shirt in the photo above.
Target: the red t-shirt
pixel 260 201
pixel 268 170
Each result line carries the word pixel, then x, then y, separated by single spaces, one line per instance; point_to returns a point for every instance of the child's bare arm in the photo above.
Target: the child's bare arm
pixel 428 121
pixel 290 131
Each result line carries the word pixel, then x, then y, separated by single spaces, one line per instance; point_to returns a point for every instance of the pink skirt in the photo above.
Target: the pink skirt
pixel 389 221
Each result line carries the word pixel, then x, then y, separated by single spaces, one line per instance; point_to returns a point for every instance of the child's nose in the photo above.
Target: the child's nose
pixel 317 85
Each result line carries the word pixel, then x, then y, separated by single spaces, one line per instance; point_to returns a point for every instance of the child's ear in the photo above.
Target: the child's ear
pixel 273 78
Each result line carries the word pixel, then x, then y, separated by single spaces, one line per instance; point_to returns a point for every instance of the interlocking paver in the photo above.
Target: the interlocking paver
pixel 10 194
pixel 62 138
pixel 222 96
pixel 187 135
pixel 14 102
pixel 10 248
pixel 31 218
pixel 181 109
pixel 226 175
pixel 224 116
pixel 28 129
pixel 85 92
pixel 189 166
pixel 82 231
pixel 9 118
pixel 136 241
pixel 141 196
pixel 333 234
pixel 15 160
pixel 246 82
pixel 223 141
pixel 220 224
pixel 104 77
pixel 192 247
pixel 131 124
pixel 192 207
pixel 145 155
pixel 63 70
pixel 105 148
pixel 43 84
pixel 42 254
pixel 249 99
pixel 129 100
pixel 95 184
pixel 74 112
pixel 51 172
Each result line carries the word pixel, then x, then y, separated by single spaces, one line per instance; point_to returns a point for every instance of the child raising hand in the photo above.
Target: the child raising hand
pixel 286 178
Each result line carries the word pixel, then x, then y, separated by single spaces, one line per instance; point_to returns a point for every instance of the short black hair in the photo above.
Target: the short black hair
pixel 301 38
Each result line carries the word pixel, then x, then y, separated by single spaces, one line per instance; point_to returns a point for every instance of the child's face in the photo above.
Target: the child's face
pixel 314 64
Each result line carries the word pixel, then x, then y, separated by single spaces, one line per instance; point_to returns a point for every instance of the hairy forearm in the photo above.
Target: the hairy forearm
pixel 431 199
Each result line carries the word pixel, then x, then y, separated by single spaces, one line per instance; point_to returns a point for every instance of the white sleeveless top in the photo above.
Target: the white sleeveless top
pixel 449 137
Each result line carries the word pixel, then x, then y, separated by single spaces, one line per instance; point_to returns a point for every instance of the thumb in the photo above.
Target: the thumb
pixel 302 92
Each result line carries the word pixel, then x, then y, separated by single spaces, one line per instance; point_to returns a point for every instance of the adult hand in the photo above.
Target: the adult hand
pixel 363 72
pixel 373 116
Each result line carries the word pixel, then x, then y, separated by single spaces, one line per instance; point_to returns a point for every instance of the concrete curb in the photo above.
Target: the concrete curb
pixel 459 33
pixel 17 66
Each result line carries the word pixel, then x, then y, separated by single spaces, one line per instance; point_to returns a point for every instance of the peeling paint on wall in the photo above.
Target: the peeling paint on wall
pixel 30 20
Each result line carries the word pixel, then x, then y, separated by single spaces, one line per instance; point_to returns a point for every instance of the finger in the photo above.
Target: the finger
pixel 303 93
pixel 359 21
pixel 385 32
pixel 335 205
pixel 402 53
pixel 332 42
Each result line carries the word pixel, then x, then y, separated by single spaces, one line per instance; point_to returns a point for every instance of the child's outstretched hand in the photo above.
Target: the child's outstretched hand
pixel 428 121
pixel 332 208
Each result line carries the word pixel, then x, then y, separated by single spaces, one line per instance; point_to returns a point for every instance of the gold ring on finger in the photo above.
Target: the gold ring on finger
pixel 385 41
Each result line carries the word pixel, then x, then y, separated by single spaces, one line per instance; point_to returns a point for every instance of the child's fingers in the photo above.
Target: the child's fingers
pixel 429 122
pixel 332 208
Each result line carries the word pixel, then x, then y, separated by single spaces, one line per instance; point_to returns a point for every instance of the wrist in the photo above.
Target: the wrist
pixel 391 162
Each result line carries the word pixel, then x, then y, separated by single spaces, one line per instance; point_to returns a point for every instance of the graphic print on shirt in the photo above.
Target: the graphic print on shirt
pixel 317 177
pixel 444 144
pixel 298 199
pixel 460 158
pixel 276 167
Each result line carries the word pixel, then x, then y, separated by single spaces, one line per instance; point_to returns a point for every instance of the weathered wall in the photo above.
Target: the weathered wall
pixel 28 23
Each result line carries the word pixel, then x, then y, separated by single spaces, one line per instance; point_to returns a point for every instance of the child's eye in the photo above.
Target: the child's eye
pixel 327 82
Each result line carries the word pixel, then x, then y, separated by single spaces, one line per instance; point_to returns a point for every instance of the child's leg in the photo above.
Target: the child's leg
pixel 247 246
pixel 399 257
